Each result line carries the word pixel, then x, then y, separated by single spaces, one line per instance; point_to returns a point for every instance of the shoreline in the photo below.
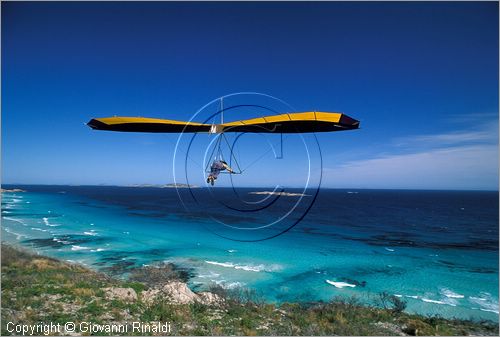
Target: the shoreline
pixel 88 245
pixel 65 292
pixel 119 269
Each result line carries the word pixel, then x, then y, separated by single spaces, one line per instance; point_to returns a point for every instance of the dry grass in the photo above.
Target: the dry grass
pixel 84 292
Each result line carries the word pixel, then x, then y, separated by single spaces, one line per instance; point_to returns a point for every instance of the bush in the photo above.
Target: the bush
pixel 237 295
pixel 398 305
pixel 391 302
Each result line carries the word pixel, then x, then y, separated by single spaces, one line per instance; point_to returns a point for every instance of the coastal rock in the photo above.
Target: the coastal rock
pixel 394 329
pixel 209 298
pixel 123 294
pixel 149 296
pixel 177 292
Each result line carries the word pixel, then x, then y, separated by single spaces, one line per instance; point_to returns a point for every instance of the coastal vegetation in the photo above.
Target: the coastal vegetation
pixel 41 289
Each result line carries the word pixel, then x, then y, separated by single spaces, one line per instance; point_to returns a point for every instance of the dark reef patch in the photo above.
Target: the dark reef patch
pixel 389 271
pixel 119 267
pixel 88 204
pixel 60 241
pixel 161 273
pixel 470 269
pixel 352 281
pixel 149 214
pixel 402 241
pixel 113 255
pixel 124 262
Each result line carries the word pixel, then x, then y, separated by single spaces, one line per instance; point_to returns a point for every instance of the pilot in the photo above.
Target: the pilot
pixel 215 169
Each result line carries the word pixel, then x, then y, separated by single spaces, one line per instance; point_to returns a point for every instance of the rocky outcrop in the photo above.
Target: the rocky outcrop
pixel 123 294
pixel 150 296
pixel 393 329
pixel 177 292
pixel 209 298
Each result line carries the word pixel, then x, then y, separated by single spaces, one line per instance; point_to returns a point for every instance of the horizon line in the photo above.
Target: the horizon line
pixel 163 186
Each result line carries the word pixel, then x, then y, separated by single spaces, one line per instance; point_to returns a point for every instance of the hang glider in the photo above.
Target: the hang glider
pixel 296 122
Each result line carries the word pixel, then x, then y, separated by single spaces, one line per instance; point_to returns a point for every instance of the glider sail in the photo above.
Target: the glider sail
pixel 285 123
pixel 294 123
pixel 141 124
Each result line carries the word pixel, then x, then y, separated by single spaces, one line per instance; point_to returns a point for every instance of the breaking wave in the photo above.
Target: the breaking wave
pixel 76 247
pixel 229 285
pixel 16 220
pixel 249 267
pixel 47 223
pixel 428 300
pixel 38 229
pixel 340 284
pixel 486 302
pixel 450 293
pixel 10 231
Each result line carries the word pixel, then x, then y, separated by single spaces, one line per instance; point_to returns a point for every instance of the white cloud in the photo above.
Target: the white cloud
pixel 473 117
pixel 456 137
pixel 461 167
pixel 483 133
pixel 461 159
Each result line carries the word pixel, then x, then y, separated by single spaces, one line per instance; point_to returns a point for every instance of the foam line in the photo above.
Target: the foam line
pixel 340 284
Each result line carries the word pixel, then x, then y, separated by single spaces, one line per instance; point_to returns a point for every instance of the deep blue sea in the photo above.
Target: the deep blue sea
pixel 437 250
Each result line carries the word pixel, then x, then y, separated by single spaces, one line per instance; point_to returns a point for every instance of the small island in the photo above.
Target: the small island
pixel 170 185
pixel 13 190
pixel 285 194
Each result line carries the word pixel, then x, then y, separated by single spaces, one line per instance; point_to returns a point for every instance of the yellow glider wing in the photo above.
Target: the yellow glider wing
pixel 297 122
pixel 141 124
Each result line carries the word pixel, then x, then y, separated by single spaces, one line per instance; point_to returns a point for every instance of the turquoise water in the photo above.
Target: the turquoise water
pixel 436 250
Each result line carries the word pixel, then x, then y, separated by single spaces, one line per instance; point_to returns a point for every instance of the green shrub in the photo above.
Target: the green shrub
pixel 391 302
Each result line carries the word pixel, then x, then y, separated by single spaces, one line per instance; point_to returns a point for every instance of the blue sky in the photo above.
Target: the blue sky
pixel 421 77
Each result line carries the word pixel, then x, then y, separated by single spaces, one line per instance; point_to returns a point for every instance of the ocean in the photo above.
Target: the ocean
pixel 437 250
